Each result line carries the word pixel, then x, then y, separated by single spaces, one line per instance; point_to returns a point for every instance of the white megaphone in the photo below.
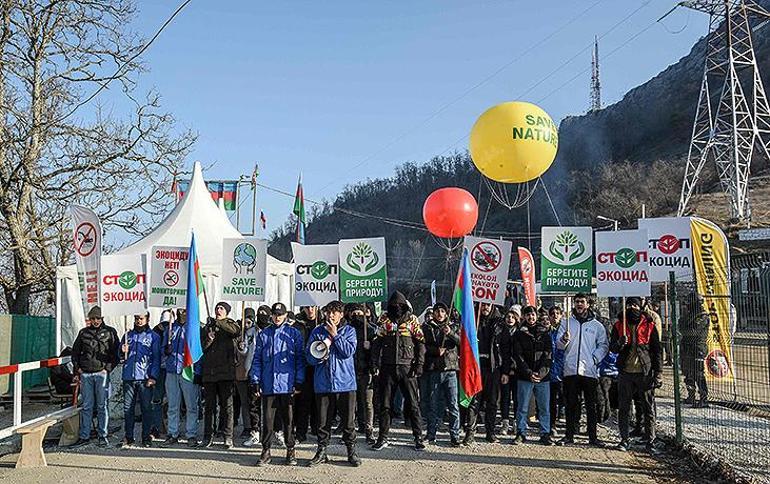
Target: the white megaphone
pixel 320 349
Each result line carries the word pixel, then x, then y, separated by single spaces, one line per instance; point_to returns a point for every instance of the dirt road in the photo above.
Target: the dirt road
pixel 398 464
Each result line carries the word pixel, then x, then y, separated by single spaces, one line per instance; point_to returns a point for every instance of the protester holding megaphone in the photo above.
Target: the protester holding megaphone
pixel 330 350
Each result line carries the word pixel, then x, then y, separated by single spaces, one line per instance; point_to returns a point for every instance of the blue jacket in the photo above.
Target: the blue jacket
pixel 557 359
pixel 608 366
pixel 337 373
pixel 143 359
pixel 174 363
pixel 279 360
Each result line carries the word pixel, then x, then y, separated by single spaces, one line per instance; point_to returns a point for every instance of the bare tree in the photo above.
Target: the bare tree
pixel 56 147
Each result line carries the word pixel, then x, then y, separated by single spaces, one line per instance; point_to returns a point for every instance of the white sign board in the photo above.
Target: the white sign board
pixel 622 264
pixel 168 276
pixel 316 274
pixel 124 285
pixel 754 234
pixel 87 241
pixel 490 260
pixel 244 268
pixel 669 247
pixel 363 270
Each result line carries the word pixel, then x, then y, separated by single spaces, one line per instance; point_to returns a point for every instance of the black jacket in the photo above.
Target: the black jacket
pixel 435 339
pixel 647 344
pixel 363 356
pixel 532 348
pixel 400 344
pixel 508 366
pixel 490 335
pixel 95 349
pixel 219 354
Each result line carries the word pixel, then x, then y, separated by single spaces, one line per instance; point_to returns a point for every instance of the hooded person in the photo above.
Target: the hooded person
pixel 218 372
pixel 639 363
pixel 355 315
pixel 399 356
pixel 263 317
pixel 693 326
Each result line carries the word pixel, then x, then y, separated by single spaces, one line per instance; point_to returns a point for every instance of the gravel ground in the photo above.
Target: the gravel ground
pixel 482 463
pixel 735 437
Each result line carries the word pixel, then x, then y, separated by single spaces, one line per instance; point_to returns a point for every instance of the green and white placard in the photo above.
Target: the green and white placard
pixel 363 270
pixel 566 263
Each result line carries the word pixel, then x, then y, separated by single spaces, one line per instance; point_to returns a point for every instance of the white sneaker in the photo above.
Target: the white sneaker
pixel 252 441
pixel 278 440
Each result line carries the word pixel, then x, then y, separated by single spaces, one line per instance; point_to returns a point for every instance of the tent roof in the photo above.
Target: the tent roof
pixel 197 212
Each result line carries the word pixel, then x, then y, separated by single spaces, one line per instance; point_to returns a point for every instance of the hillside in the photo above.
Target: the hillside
pixel 646 134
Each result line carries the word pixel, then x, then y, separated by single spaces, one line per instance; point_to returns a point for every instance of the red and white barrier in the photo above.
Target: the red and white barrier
pixel 17 371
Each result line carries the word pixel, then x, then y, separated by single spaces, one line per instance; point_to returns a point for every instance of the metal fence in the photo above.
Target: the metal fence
pixel 724 419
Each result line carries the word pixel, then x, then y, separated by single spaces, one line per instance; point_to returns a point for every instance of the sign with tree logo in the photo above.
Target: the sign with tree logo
pixel 244 269
pixel 123 285
pixel 670 248
pixel 566 259
pixel 168 277
pixel 622 263
pixel 363 270
pixel 490 260
pixel 316 274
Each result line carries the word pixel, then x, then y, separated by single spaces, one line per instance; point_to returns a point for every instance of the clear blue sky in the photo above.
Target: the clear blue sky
pixel 317 86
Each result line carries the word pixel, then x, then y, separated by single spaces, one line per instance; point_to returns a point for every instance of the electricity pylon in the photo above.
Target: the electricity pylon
pixel 728 124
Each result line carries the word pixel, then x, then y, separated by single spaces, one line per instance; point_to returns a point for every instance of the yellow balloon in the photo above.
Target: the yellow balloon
pixel 514 142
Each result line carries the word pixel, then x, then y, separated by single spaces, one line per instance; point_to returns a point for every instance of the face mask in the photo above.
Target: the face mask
pixel 633 315
pixel 357 319
pixel 263 319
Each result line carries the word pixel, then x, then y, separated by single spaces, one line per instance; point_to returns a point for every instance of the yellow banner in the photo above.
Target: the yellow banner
pixel 711 259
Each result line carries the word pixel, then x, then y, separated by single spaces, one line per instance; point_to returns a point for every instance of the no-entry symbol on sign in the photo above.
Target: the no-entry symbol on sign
pixel 171 278
pixel 485 256
pixel 85 239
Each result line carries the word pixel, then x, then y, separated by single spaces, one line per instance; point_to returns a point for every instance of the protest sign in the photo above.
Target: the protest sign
pixel 168 276
pixel 670 248
pixel 622 264
pixel 489 260
pixel 87 239
pixel 566 260
pixel 124 285
pixel 363 270
pixel 244 269
pixel 316 274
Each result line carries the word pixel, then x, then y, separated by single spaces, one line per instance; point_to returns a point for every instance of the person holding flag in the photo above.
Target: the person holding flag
pixel 470 370
pixel 178 387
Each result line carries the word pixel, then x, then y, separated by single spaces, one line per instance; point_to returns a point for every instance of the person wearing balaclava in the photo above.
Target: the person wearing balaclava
pixel 694 327
pixel 263 317
pixel 218 372
pixel 399 355
pixel 355 315
pixel 637 343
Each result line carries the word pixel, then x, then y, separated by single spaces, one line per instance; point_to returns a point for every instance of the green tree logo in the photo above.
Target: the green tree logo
pixel 566 247
pixel 127 280
pixel 362 258
pixel 625 258
pixel 319 270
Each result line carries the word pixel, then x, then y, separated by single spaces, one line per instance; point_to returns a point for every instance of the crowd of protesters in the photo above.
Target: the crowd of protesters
pixel 344 369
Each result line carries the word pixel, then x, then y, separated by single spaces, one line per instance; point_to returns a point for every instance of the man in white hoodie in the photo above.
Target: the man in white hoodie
pixel 584 341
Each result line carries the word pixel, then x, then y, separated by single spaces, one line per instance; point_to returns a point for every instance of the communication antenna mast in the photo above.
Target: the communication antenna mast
pixel 596 87
pixel 733 116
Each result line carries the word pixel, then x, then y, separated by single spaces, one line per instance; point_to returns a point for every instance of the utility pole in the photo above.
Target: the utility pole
pixel 596 87
pixel 733 116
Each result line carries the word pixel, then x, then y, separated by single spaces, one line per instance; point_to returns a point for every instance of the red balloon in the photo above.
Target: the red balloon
pixel 450 212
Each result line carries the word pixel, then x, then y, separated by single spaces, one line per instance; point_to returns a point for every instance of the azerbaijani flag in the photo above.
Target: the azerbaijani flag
pixel 299 211
pixel 226 190
pixel 470 372
pixel 192 326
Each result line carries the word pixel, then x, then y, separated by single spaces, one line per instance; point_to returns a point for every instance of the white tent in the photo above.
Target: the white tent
pixel 197 213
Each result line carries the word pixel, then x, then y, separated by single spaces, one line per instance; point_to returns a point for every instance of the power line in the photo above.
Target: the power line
pixel 119 71
pixel 465 93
